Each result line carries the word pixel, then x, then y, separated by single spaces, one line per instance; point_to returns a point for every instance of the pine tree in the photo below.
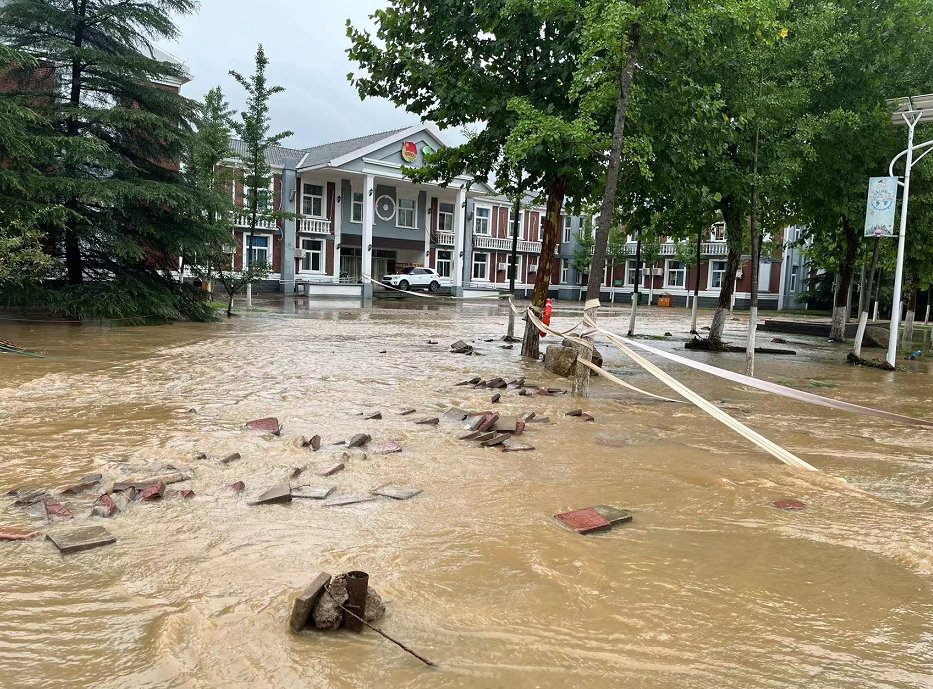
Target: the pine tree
pixel 118 137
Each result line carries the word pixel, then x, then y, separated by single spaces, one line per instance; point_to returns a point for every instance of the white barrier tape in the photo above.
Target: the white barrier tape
pixel 798 395
pixel 556 333
pixel 591 304
pixel 608 376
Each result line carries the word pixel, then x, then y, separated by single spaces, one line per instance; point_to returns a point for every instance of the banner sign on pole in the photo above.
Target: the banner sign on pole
pixel 882 203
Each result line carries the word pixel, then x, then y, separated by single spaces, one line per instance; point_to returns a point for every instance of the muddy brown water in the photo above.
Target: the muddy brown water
pixel 709 586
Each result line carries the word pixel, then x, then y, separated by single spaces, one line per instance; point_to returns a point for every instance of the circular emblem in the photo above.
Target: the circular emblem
pixel 427 150
pixel 385 208
pixel 409 151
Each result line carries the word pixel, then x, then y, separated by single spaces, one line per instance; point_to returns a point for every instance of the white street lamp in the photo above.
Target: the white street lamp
pixel 911 112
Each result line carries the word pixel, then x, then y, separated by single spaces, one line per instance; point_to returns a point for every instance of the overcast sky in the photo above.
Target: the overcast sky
pixel 305 41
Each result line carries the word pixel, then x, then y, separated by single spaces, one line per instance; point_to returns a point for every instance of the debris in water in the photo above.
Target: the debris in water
pixel 230 458
pixel 315 443
pixel 584 521
pixel 508 346
pixel 16 534
pixel 499 438
pixel 328 613
pixel 506 424
pixel 107 507
pixel 528 417
pixel 613 515
pixel 587 417
pixel 359 440
pixel 83 538
pixel 433 342
pixel 268 425
pixel 396 492
pixel 84 483
pixel 461 347
pixel 406 412
pixel 312 492
pixel 305 602
pixel 792 505
pixel 455 414
pixel 489 420
pixel 433 421
pixel 375 416
pixel 277 494
pixel 347 499
pixel 470 436
pixel 237 487
pixel 388 447
pixel 513 446
pixel 187 493
pixel 331 469
pixel 152 492
pixel 575 412
pixel 495 398
pixel 56 509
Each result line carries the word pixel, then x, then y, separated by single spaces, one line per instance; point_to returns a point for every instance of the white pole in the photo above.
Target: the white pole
pixel 901 241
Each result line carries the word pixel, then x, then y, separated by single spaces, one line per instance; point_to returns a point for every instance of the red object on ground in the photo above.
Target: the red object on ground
pixel 237 487
pixel 793 505
pixel 187 493
pixel 108 503
pixel 268 425
pixel 519 427
pixel 584 521
pixel 547 315
pixel 58 510
pixel 16 534
pixel 152 492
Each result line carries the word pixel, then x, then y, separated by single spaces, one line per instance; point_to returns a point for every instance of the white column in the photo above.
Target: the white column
pixel 456 266
pixel 338 225
pixel 369 207
pixel 427 228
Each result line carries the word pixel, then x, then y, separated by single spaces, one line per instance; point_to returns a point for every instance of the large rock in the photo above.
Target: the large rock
pixel 561 361
pixel 876 336
pixel 597 357
pixel 328 614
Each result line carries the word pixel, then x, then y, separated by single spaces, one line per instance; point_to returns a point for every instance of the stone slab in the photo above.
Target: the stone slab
pixel 315 443
pixel 312 492
pixel 305 602
pixel 455 414
pixel 483 437
pixel 613 515
pixel 505 424
pixel 514 446
pixel 498 439
pixel 153 492
pixel 584 521
pixel 347 499
pixel 270 424
pixel 495 398
pixel 277 494
pixel 83 538
pixel 489 420
pixel 359 440
pixel 397 492
pixel 387 448
pixel 375 416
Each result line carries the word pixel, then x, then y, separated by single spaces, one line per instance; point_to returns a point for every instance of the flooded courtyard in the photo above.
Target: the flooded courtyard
pixel 709 586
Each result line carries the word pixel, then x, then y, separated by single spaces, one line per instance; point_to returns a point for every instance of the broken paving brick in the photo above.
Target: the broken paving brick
pixel 28 496
pixel 483 437
pixel 347 499
pixel 471 436
pixel 587 417
pixel 489 420
pixel 83 538
pixel 406 412
pixel 514 446
pixel 237 487
pixel 455 414
pixel 545 393
pixel 524 392
pixel 461 347
pixel 375 416
pixel 312 492
pixel 519 427
pixel 575 412
pixel 792 505
pixel 556 391
pixel 331 469
pixel 584 521
pixel 499 438
pixel 301 442
pixel 495 398
pixel 230 458
pixel 396 492
pixel 528 417
pixel 613 515
pixel 270 424
pixel 433 421
pixel 388 447
pixel 305 602
pixel 152 492
pixel 539 419
pixel 106 508
pixel 359 440
pixel 83 483
pixel 508 346
pixel 16 534
pixel 315 443
pixel 505 424
pixel 433 342
pixel 187 493
pixel 276 495
pixel 56 509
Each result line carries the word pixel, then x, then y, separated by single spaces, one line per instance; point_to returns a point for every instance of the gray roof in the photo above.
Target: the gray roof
pixel 316 155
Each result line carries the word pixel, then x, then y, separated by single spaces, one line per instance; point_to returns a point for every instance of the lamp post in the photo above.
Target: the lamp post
pixel 910 112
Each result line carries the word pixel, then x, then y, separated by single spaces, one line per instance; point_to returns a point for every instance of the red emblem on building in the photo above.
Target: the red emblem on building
pixel 409 151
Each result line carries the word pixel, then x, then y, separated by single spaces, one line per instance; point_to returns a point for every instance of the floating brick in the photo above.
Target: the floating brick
pixel 433 421
pixel 269 424
pixel 613 515
pixel 792 505
pixel 584 521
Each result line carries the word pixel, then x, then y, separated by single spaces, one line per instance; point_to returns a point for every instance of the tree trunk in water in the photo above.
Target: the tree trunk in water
pixel 910 316
pixel 733 261
pixel 865 301
pixel 555 201
pixel 638 278
pixel 840 317
pixel 581 379
pixel 874 313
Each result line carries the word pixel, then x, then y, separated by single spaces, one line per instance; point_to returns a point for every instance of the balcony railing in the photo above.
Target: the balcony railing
pixel 667 249
pixel 445 238
pixel 504 244
pixel 243 219
pixel 313 225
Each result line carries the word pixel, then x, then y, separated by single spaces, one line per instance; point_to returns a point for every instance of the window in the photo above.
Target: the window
pixel 717 273
pixel 481 267
pixel 312 200
pixel 564 270
pixel 676 274
pixel 406 214
pixel 518 268
pixel 719 232
pixel 356 207
pixel 532 266
pixel 793 278
pixel 567 230
pixel 481 221
pixel 521 223
pixel 442 263
pixel 313 261
pixel 258 249
pixel 264 202
pixel 445 218
pixel 630 272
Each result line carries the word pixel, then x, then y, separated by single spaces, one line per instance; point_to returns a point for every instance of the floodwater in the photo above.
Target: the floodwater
pixel 709 586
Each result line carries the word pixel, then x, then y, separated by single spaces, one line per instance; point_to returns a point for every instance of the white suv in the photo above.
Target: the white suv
pixel 410 278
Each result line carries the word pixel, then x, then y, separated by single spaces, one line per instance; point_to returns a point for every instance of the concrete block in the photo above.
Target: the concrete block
pixel 305 602
pixel 83 538
pixel 396 492
pixel 584 521
pixel 613 515
pixel 312 492
pixel 359 440
pixel 277 494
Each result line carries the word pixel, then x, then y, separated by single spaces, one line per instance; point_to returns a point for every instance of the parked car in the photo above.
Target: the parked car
pixel 416 278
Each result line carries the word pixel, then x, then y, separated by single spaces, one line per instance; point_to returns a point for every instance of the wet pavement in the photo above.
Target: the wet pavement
pixel 708 585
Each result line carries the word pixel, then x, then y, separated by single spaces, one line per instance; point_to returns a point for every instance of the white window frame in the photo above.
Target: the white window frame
pixel 521 223
pixel 568 229
pixel 441 222
pixel 438 261
pixel 668 271
pixel 718 228
pixel 564 271
pixel 518 266
pixel 354 203
pixel 413 211
pixel 322 196
pixel 246 188
pixel 323 261
pixel 473 277
pixel 793 278
pixel 488 219
pixel 267 248
pixel 709 281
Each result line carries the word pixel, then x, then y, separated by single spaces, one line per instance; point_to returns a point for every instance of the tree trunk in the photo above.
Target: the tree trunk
pixel 874 313
pixel 696 287
pixel 840 317
pixel 734 232
pixel 909 317
pixel 581 380
pixel 651 284
pixel 74 264
pixel 755 266
pixel 631 318
pixel 555 201
pixel 865 301
pixel 513 259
